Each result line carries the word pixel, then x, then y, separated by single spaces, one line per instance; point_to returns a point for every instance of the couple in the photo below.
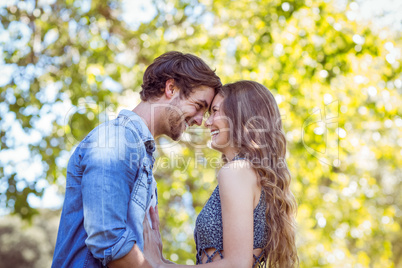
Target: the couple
pixel 111 192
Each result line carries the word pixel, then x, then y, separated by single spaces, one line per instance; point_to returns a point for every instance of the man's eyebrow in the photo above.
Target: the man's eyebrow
pixel 203 103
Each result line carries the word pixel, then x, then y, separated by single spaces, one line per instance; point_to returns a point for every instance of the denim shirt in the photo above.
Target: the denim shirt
pixel 108 188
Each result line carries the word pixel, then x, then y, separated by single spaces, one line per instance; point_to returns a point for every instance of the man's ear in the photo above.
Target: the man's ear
pixel 170 89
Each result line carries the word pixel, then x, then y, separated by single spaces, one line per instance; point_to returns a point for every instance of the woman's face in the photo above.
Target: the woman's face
pixel 219 125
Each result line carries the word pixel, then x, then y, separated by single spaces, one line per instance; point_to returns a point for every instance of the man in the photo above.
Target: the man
pixel 110 185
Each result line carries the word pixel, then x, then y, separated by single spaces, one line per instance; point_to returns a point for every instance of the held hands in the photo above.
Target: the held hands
pixel 152 239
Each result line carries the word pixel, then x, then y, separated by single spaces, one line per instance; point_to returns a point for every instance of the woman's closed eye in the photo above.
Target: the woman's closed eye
pixel 212 111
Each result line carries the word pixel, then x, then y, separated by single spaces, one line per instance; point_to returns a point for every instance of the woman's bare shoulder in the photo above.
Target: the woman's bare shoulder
pixel 239 171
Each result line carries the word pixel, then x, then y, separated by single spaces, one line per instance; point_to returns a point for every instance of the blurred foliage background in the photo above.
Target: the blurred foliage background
pixel 67 66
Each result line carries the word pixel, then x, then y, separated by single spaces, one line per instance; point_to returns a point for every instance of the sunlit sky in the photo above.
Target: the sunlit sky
pixel 380 12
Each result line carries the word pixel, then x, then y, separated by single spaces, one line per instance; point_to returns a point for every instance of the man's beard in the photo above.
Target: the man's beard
pixel 175 122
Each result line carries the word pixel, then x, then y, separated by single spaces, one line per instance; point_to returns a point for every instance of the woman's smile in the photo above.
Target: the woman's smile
pixel 214 133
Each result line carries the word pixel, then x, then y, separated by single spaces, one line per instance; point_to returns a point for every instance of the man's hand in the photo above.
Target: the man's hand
pixel 154 213
pixel 152 239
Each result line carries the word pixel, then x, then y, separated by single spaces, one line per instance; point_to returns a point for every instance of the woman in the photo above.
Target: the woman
pixel 249 219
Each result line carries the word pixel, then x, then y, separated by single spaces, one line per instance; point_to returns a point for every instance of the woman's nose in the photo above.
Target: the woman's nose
pixel 208 122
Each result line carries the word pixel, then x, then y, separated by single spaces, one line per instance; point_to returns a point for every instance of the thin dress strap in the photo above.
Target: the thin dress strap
pixel 238 157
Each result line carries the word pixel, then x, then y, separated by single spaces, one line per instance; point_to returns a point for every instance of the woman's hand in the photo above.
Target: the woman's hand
pixel 152 239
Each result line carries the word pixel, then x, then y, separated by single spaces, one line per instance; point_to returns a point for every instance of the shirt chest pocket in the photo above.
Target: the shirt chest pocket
pixel 142 187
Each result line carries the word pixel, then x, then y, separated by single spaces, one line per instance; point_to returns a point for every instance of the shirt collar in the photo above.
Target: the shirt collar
pixel 142 128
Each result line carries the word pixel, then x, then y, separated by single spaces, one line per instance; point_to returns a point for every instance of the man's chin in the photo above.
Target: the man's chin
pixel 175 136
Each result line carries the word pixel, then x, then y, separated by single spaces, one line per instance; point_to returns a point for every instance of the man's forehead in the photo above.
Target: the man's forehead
pixel 203 94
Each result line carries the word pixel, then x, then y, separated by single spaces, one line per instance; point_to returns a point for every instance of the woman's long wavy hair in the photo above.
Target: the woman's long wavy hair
pixel 258 135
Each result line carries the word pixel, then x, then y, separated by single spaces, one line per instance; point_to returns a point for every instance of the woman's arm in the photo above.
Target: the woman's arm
pixel 237 187
pixel 237 184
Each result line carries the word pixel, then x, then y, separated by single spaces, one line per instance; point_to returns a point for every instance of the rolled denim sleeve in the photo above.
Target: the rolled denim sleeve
pixel 109 174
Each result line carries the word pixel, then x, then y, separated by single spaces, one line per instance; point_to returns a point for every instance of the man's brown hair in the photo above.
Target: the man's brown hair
pixel 188 72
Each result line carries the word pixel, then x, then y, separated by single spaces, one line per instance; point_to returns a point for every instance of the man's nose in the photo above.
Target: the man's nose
pixel 198 120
